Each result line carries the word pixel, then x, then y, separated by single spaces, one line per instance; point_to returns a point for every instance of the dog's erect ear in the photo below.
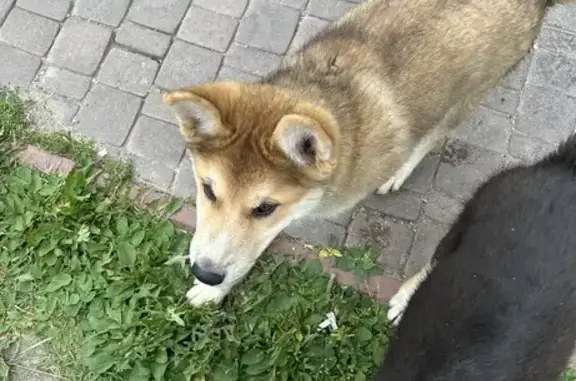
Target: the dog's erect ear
pixel 305 142
pixel 198 117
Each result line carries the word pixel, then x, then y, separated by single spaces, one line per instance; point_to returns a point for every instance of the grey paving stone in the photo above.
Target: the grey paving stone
pixel 128 71
pixel 251 60
pixel 442 208
pixel 297 4
pixel 308 27
pixel 18 68
pixel 391 240
pixel 64 82
pixel 184 182
pixel 556 41
pixel 79 46
pixel 107 114
pixel 319 232
pixel 109 12
pixel 163 15
pixel 5 6
pixel 157 140
pixel 329 9
pixel 516 79
pixel 153 173
pixel 28 31
pixel 554 69
pixel 154 107
pixel 207 28
pixel 547 114
pixel 463 167
pixel 527 148
pixel 421 179
pixel 428 235
pixel 343 218
pixel 142 39
pixel 234 8
pixel 52 112
pixel 486 129
pixel 561 16
pixel 187 64
pixel 268 26
pixel 399 204
pixel 503 100
pixel 55 9
pixel 228 73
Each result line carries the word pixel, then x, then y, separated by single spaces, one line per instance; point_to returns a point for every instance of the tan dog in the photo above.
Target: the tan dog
pixel 354 110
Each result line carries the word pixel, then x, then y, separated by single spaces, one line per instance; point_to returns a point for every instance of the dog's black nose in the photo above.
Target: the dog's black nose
pixel 206 276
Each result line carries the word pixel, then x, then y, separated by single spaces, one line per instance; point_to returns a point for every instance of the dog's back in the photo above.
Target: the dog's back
pixel 500 303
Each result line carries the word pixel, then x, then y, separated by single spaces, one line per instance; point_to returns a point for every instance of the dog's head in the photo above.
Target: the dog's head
pixel 261 158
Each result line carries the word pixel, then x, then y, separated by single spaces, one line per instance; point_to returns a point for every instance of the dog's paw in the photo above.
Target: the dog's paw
pixel 392 185
pixel 201 294
pixel 398 304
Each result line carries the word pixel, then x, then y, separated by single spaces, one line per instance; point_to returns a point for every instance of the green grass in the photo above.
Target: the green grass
pixel 99 282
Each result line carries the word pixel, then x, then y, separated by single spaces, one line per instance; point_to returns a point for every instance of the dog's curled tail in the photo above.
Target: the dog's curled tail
pixel 565 154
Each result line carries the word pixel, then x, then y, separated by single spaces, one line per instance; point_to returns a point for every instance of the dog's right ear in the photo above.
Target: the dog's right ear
pixel 198 118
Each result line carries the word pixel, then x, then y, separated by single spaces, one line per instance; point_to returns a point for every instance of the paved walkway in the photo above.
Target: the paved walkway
pixel 98 65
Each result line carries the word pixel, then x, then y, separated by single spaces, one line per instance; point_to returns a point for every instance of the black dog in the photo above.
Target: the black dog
pixel 500 301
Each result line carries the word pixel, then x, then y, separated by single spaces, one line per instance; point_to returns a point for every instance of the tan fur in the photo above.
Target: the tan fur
pixel 367 91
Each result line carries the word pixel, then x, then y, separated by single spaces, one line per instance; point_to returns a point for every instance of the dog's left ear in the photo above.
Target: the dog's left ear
pixel 307 143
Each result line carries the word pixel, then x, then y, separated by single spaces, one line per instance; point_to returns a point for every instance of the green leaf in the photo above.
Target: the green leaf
pixel 58 282
pixel 122 225
pixel 100 363
pixel 252 357
pixel 137 238
pixel 173 206
pixel 139 373
pixel 126 254
pixel 360 376
pixel 363 334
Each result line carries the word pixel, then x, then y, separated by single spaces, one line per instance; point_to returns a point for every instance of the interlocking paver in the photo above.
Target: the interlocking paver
pixel 5 6
pixel 156 140
pixel 142 39
pixel 556 40
pixel 391 239
pixel 128 71
pixel 298 4
pixel 527 148
pixel 428 235
pixel 234 8
pixel 79 46
pixel 308 27
pixel 487 129
pixel 562 16
pixel 400 204
pixel 420 180
pixel 152 172
pixel 228 73
pixel 207 28
pixel 268 26
pixel 107 114
pixel 55 9
pixel 329 9
pixel 187 64
pixel 502 100
pixel 251 60
pixel 163 15
pixel 109 12
pixel 517 77
pixel 442 208
pixel 64 82
pixel 28 31
pixel 17 68
pixel 184 182
pixel 52 112
pixel 554 70
pixel 154 107
pixel 318 232
pixel 463 167
pixel 546 113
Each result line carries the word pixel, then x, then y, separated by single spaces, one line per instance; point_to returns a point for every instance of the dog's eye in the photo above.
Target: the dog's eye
pixel 264 210
pixel 209 192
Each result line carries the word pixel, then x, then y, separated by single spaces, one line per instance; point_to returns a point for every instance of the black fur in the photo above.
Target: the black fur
pixel 500 303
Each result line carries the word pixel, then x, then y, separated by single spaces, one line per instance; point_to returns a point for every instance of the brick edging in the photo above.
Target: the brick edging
pixel 380 288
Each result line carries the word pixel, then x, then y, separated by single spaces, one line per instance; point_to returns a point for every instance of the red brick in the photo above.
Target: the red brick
pixel 45 161
pixel 185 218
